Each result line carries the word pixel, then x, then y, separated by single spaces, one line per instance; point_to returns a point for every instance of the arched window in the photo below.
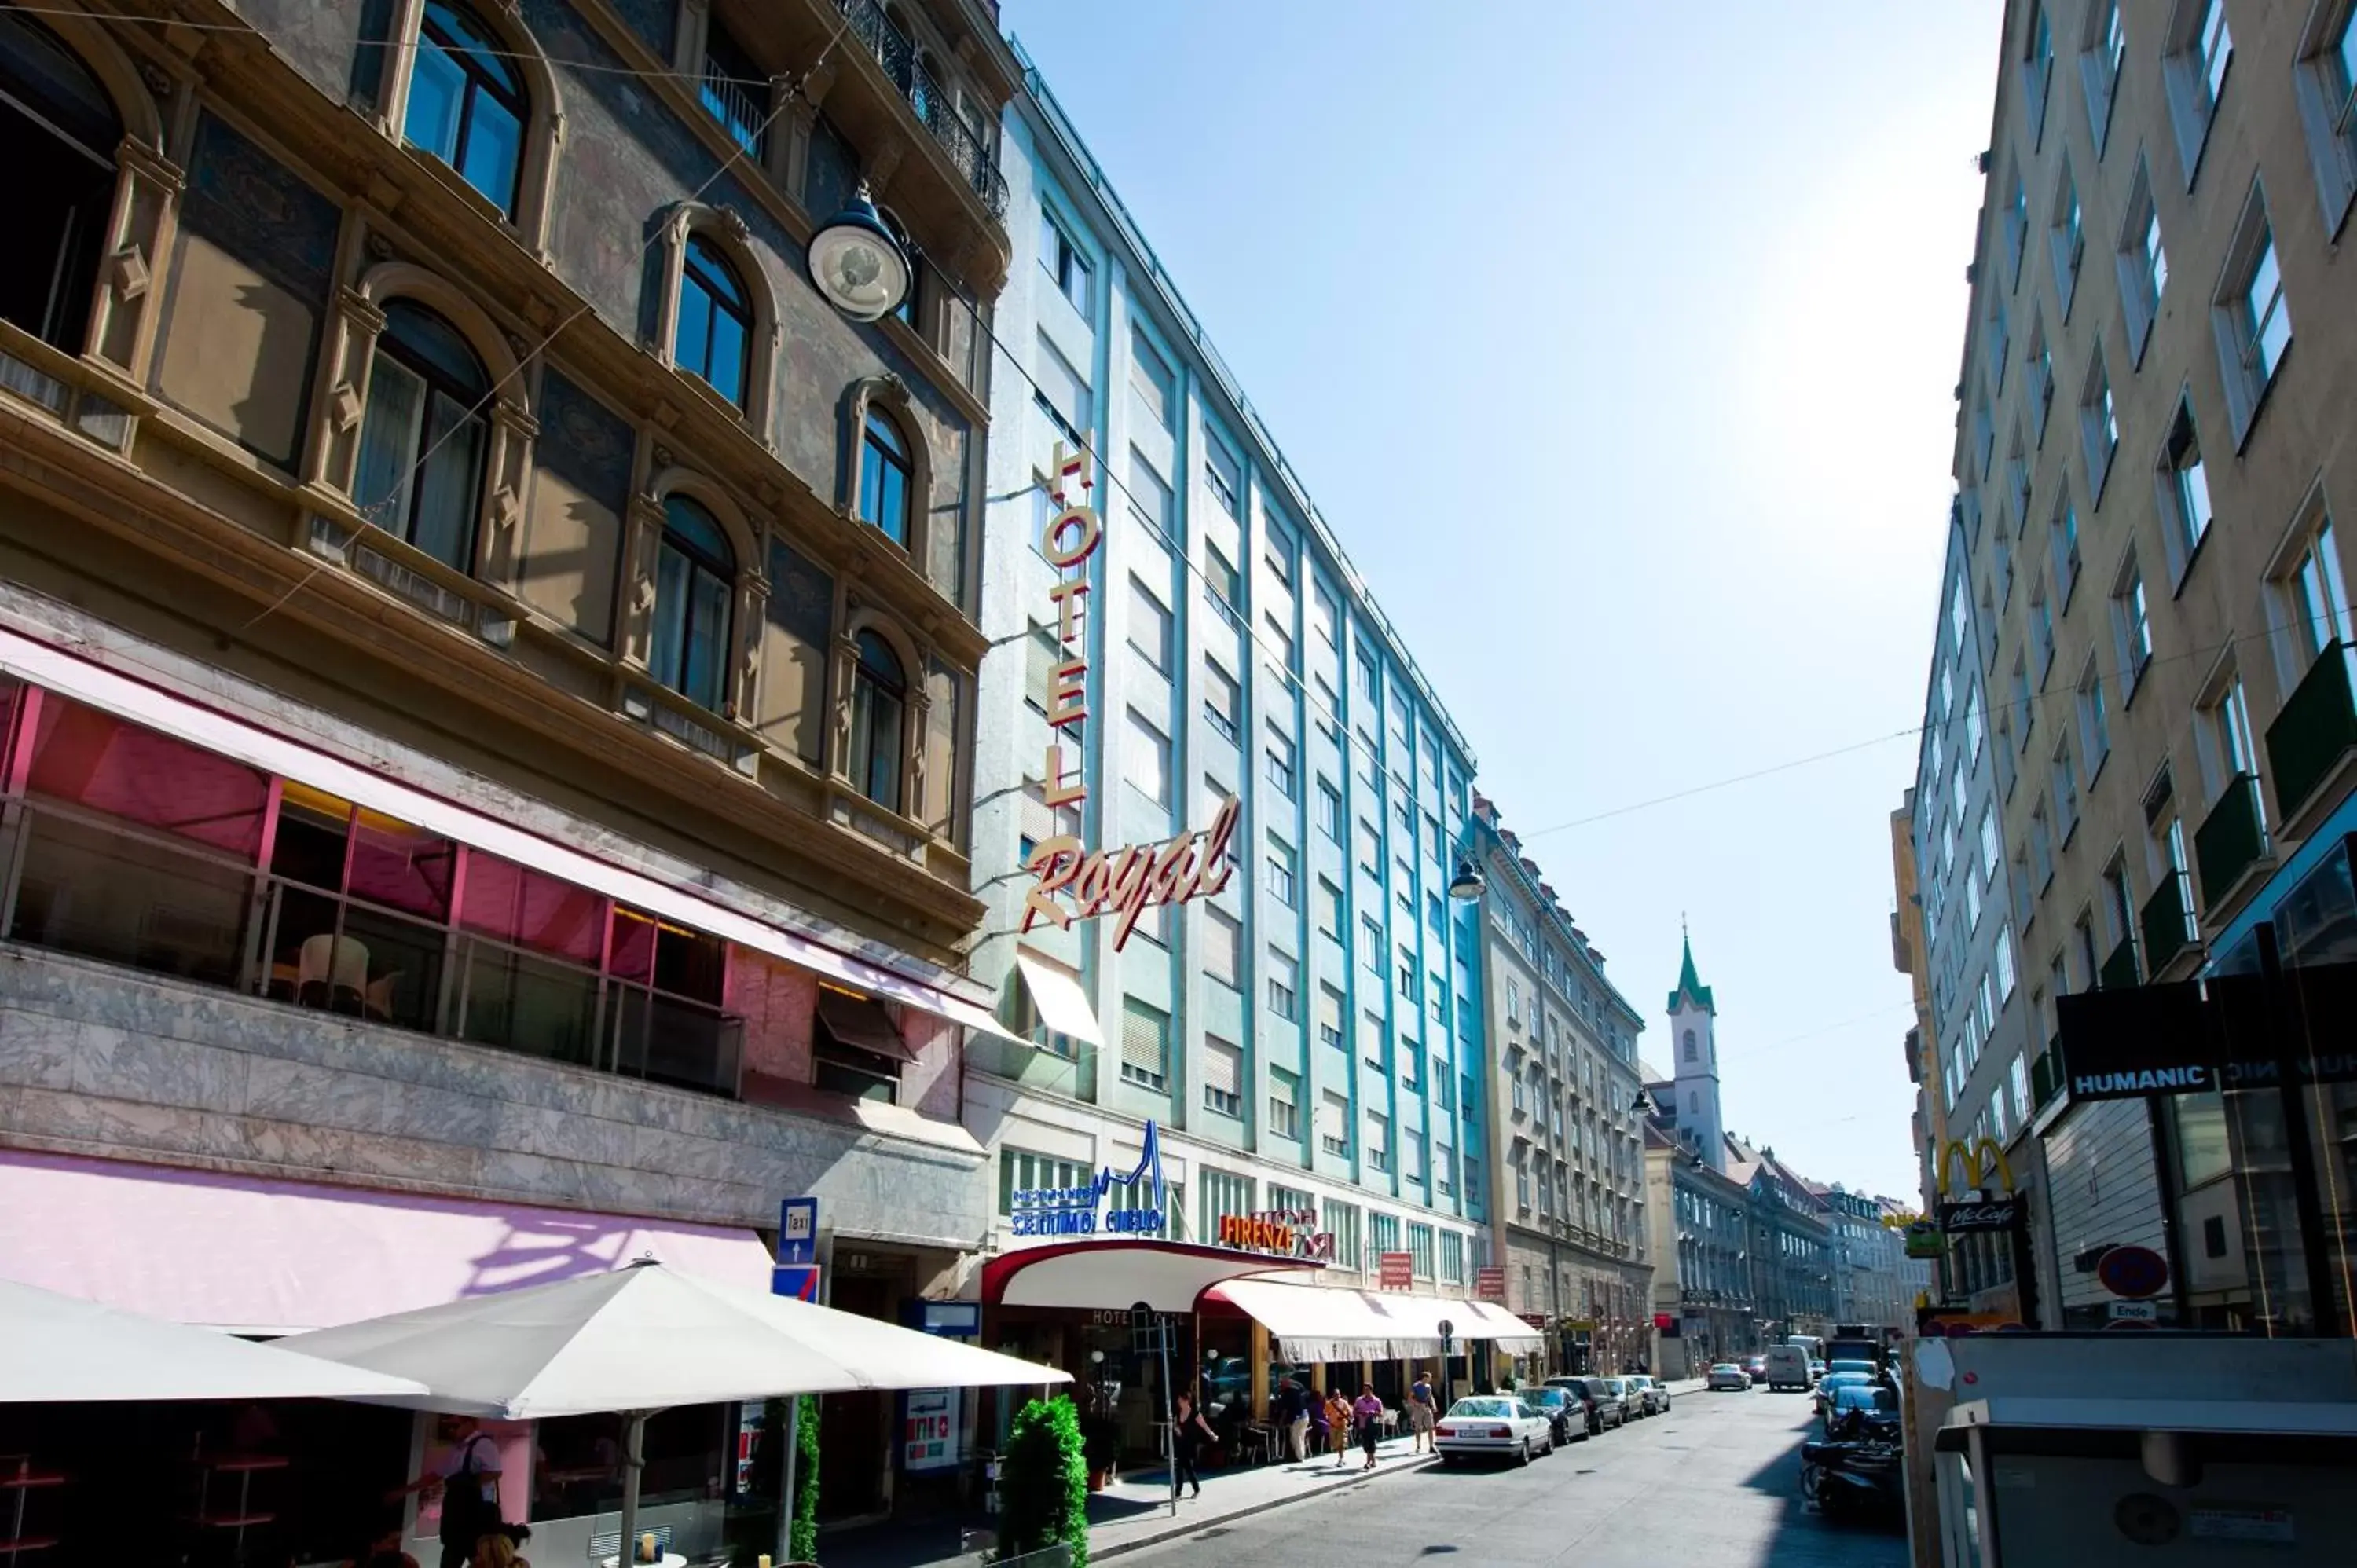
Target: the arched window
pixel 1690 1045
pixel 423 437
pixel 694 574
pixel 884 474
pixel 880 706
pixel 715 320
pixel 467 102
pixel 59 130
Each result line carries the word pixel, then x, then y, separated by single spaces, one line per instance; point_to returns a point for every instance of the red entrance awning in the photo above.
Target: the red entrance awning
pixel 1113 1276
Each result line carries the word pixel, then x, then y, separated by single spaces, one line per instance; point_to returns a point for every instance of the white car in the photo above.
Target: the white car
pixel 1727 1375
pixel 1495 1426
pixel 1655 1394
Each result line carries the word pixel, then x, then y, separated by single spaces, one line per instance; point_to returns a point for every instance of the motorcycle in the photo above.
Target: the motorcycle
pixel 1855 1473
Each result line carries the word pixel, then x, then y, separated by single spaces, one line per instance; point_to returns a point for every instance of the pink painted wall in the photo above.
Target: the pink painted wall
pixel 776 1000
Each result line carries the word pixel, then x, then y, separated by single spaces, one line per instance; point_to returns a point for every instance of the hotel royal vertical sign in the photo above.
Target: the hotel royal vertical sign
pixel 1072 881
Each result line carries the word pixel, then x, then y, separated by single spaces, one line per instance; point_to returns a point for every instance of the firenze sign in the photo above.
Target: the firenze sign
pixel 1073 881
pixel 1284 1231
pixel 1072 1210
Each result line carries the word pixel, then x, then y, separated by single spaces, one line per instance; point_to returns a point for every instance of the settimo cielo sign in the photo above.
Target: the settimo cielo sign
pixel 1071 880
pixel 1080 1211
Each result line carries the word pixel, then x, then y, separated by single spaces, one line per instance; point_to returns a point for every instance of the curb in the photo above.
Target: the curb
pixel 1207 1521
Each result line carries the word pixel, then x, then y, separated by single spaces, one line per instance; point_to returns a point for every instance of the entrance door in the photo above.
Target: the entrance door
pixel 854 1429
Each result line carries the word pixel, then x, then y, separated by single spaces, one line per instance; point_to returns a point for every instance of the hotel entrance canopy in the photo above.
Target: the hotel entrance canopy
pixel 1114 1276
pixel 1315 1323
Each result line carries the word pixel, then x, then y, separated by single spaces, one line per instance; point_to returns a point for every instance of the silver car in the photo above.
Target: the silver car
pixel 1727 1375
pixel 1653 1392
pixel 1632 1403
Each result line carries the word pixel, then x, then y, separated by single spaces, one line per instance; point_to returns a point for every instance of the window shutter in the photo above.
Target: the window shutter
pixel 1040 655
pixel 1144 1033
pixel 1285 1089
pixel 1223 1066
pixel 1330 1011
pixel 1334 1116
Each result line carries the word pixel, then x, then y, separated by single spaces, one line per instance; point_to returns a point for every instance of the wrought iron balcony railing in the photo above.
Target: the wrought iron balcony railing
pixel 2165 922
pixel 933 104
pixel 2119 969
pixel 2230 839
pixel 2317 725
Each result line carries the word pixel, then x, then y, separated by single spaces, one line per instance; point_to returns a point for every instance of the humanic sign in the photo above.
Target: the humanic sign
pixel 1129 881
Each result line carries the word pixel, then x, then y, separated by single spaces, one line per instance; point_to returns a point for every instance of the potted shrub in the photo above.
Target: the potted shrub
pixel 1043 1483
pixel 1100 1448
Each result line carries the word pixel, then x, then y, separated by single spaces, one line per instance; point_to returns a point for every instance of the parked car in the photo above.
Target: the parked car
pixel 1493 1426
pixel 1836 1381
pixel 1565 1412
pixel 1632 1404
pixel 1652 1390
pixel 1868 1368
pixel 1603 1411
pixel 1728 1376
pixel 1756 1367
pixel 1788 1368
pixel 1816 1371
pixel 1880 1406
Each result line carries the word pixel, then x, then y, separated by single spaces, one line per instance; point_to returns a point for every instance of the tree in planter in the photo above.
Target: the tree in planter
pixel 1043 1483
pixel 803 1542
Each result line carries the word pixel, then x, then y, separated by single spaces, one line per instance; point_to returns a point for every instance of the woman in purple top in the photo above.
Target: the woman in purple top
pixel 1367 1412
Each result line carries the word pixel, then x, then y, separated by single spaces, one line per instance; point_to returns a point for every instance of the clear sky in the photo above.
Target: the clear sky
pixel 1616 343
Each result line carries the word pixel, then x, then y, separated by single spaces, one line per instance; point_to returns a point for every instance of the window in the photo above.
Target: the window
pixel 2181 873
pixel 1419 1250
pixel 1282 756
pixel 1972 901
pixel 1220 578
pixel 2328 105
pixel 2142 263
pixel 1281 871
pixel 1371 943
pixel 1326 615
pixel 2042 846
pixel 2066 240
pixel 2038 71
pixel 1152 383
pixel 1145 761
pixel 2017 231
pixel 1280 641
pixel 1984 438
pixel 1149 625
pixel 2064 531
pixel 1064 263
pixel 61 132
pixel 736 91
pixel 1452 1247
pixel 1330 1018
pixel 1222 474
pixel 2066 790
pixel 2222 733
pixel 1059 393
pixel 1329 811
pixel 2194 71
pixel 423 437
pixel 1687 1044
pixel 879 691
pixel 1283 1104
pixel 2131 629
pixel 1222 700
pixel 1223 946
pixel 2094 720
pixel 1330 910
pixel 713 337
pixel 884 472
pixel 2099 426
pixel 1975 728
pixel 1145 1043
pixel 1283 984
pixel 1996 343
pixel 1379 1158
pixel 2039 367
pixel 2252 320
pixel 2315 603
pixel 1224 1079
pixel 1991 850
pixel 2041 634
pixel 695 576
pixel 2184 490
pixel 2104 50
pixel 467 102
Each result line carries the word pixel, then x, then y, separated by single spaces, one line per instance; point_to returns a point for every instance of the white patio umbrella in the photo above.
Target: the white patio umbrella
pixel 641 1340
pixel 61 1350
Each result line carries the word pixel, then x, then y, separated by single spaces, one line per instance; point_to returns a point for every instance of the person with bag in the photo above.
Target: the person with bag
pixel 468 1479
pixel 1192 1432
pixel 1338 1423
pixel 1369 1414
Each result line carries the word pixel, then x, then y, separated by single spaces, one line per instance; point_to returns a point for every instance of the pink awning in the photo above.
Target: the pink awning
pixel 278 1257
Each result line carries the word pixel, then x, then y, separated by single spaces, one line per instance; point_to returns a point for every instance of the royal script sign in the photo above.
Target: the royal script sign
pixel 1072 881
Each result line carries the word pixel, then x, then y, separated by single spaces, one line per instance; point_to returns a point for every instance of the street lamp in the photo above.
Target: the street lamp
pixel 859 264
pixel 1466 884
pixel 1644 1105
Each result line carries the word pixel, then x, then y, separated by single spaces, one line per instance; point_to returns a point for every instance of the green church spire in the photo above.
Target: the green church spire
pixel 1690 984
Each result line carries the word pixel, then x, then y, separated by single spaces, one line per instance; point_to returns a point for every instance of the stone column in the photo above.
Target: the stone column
pixel 752 610
pixel 641 539
pixel 507 474
pixel 359 323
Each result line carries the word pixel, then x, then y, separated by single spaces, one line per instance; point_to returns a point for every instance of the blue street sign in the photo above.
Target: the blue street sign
pixel 797 1279
pixel 798 1231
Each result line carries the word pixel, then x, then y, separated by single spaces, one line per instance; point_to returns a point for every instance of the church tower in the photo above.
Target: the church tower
pixel 1692 1014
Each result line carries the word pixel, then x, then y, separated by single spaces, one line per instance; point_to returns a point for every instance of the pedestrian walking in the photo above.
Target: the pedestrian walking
pixel 1293 1416
pixel 468 1479
pixel 1421 1413
pixel 1338 1423
pixel 1192 1433
pixel 1319 1433
pixel 1369 1414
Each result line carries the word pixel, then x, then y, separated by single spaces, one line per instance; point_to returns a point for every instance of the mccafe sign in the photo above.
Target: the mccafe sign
pixel 1974 1218
pixel 1072 880
pixel 1284 1231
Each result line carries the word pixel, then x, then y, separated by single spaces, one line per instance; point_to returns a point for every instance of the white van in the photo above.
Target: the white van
pixel 1788 1368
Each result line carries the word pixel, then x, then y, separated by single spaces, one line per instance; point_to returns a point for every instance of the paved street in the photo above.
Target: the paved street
pixel 1712 1484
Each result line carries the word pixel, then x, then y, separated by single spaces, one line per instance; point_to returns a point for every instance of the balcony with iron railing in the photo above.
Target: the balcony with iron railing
pixel 936 106
pixel 2315 730
pixel 2046 1075
pixel 2167 924
pixel 2229 841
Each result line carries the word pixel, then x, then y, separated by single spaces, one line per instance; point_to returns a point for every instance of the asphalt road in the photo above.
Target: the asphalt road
pixel 1712 1483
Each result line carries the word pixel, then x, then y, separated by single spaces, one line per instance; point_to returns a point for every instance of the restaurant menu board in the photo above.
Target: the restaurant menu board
pixel 928 1431
pixel 1396 1271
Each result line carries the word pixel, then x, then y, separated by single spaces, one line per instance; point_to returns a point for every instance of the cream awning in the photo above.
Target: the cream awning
pixel 1063 1005
pixel 1315 1323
